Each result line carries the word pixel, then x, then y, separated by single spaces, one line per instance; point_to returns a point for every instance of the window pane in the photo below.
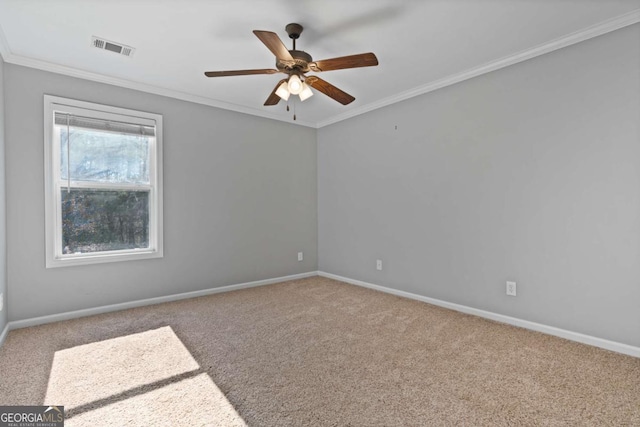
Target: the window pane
pixel 100 156
pixel 104 220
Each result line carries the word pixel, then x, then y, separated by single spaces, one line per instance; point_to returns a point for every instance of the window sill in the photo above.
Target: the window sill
pixel 88 259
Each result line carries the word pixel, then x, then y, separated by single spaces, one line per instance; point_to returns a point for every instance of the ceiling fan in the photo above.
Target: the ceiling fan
pixel 296 63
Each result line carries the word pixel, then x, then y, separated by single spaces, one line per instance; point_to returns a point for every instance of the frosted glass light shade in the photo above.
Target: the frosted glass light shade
pixel 283 91
pixel 295 84
pixel 306 92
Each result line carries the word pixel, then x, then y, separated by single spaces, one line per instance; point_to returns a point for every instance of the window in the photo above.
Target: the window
pixel 103 183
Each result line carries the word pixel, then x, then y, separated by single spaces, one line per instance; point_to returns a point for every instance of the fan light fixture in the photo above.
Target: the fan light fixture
pixel 294 86
pixel 283 91
pixel 306 92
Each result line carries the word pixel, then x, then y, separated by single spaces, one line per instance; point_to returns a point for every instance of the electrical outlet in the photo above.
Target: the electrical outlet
pixel 378 264
pixel 300 256
pixel 511 289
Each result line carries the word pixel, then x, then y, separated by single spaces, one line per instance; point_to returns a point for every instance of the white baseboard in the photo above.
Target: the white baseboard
pixel 17 324
pixel 551 330
pixel 4 333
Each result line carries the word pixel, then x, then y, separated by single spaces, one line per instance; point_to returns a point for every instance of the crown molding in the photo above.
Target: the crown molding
pixel 559 43
pixel 143 87
pixel 4 46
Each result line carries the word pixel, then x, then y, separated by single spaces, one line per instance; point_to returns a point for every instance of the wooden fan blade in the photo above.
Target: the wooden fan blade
pixel 352 61
pixel 240 72
pixel 330 90
pixel 275 45
pixel 273 99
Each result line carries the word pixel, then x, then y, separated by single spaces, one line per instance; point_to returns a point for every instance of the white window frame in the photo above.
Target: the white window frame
pixel 54 183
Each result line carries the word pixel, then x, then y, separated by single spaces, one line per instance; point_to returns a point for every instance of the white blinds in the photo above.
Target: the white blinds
pixel 103 125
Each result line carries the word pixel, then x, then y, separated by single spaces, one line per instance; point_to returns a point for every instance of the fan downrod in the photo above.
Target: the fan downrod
pixel 301 59
pixel 294 30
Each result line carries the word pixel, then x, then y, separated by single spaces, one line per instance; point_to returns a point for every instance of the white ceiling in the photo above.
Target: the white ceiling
pixel 421 45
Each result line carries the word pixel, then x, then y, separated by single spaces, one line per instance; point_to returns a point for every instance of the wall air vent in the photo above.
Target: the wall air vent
pixel 120 48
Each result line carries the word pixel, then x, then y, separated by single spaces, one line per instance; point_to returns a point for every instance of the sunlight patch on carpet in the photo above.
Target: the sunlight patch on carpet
pixel 144 376
pixel 195 401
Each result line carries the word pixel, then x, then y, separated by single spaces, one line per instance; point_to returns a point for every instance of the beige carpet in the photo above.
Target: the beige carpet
pixel 313 352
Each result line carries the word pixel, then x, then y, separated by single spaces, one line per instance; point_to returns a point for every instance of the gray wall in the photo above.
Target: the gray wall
pixel 240 196
pixel 3 236
pixel 530 173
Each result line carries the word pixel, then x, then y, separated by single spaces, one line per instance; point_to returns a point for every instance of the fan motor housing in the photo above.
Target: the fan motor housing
pixel 300 62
